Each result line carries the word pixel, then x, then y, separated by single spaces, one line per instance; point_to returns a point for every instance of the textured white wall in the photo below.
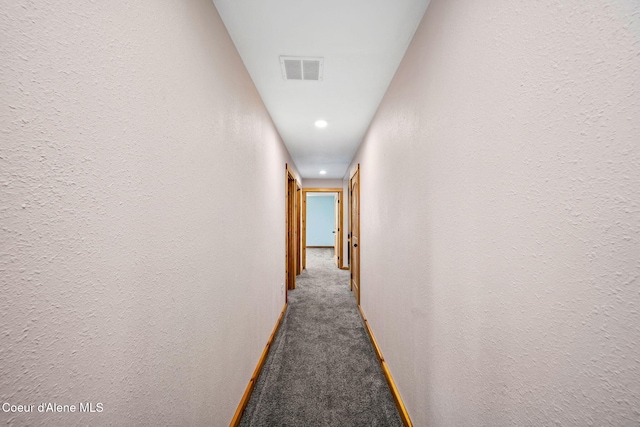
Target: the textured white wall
pixel 501 215
pixel 142 213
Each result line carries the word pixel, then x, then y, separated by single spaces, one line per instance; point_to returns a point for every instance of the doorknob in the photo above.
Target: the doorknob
pixel 355 245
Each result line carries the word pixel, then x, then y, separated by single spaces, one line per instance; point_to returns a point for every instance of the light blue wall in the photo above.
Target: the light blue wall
pixel 320 220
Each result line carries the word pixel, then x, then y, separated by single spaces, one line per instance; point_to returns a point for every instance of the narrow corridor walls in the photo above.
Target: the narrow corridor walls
pixel 500 215
pixel 141 213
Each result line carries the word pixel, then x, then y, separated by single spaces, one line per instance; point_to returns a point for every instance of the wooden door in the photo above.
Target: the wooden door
pixel 354 216
pixel 336 231
pixel 298 228
pixel 304 229
pixel 290 214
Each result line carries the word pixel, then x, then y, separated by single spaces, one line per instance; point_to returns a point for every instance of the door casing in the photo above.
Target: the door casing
pixel 298 222
pixel 304 222
pixel 291 234
pixel 354 231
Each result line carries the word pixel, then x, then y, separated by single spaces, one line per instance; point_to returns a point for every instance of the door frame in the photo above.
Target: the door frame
pixel 304 222
pixel 356 171
pixel 298 220
pixel 291 233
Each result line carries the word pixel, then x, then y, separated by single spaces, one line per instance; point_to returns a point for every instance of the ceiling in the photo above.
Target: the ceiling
pixel 362 43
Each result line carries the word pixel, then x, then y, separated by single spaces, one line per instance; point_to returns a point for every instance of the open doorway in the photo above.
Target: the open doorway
pixel 322 220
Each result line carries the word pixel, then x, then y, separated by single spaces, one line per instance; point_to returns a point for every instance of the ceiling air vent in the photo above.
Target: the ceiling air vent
pixel 301 68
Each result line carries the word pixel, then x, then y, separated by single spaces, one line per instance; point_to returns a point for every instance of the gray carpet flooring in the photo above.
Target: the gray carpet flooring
pixel 321 369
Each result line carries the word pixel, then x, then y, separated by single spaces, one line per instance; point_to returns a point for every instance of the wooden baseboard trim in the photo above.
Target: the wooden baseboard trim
pixel 321 247
pixel 404 415
pixel 344 267
pixel 254 378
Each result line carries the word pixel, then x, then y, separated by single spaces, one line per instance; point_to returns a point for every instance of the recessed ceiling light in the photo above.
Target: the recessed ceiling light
pixel 321 123
pixel 323 172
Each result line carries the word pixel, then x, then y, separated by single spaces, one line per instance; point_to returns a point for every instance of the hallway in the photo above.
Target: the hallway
pixel 321 370
pixel 151 156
